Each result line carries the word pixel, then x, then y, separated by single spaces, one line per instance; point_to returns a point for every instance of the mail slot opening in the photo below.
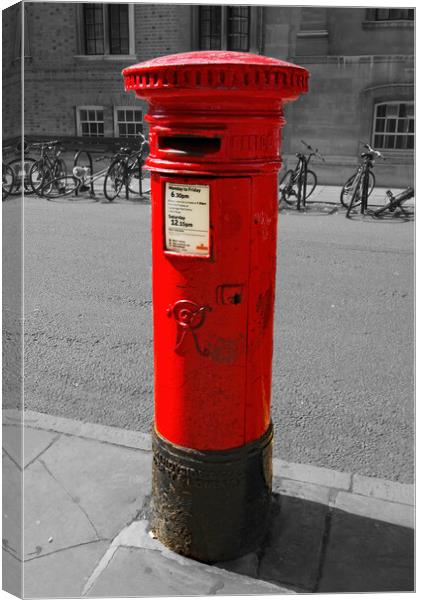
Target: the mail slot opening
pixel 187 144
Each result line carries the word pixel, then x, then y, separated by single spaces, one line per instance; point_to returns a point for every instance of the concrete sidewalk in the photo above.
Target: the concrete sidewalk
pixel 86 530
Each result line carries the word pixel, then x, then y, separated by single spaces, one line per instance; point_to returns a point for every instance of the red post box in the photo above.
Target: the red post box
pixel 215 120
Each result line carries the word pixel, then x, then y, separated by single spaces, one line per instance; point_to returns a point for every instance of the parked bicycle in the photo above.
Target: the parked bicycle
pixel 126 171
pixel 360 185
pixel 8 175
pixel 8 180
pixel 297 185
pixel 49 165
pixel 81 180
pixel 394 202
pixel 21 168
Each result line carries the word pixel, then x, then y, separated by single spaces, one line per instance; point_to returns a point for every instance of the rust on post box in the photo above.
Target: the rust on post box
pixel 215 123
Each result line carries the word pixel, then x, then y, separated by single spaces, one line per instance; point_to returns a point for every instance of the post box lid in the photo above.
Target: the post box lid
pixel 217 69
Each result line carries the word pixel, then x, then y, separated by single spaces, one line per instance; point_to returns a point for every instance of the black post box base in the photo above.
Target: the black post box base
pixel 211 505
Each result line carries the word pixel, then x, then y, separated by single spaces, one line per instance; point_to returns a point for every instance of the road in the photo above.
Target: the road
pixel 344 329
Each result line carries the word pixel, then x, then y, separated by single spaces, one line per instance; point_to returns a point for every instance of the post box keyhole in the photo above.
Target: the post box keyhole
pixel 230 294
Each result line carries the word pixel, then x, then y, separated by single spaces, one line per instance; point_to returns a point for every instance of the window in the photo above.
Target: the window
pixel 127 121
pixel 106 29
pixel 210 27
pixel 224 28
pixel 394 126
pixel 393 14
pixel 90 121
pixel 119 28
pixel 238 28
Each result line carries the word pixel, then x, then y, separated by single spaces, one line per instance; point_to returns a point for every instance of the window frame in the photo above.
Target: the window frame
pixel 224 27
pixel 116 121
pixel 79 120
pixel 106 29
pixel 389 18
pixel 396 134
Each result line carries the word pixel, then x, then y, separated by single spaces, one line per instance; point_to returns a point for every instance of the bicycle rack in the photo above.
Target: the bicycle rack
pixel 91 166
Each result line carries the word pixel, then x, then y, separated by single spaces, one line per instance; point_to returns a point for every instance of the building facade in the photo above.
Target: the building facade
pixel 361 62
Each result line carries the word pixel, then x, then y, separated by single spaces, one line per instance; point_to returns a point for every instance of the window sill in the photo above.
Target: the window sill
pixel 388 24
pixel 317 33
pixel 106 57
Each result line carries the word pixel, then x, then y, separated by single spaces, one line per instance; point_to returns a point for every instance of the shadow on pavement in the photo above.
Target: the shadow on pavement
pixel 314 548
pixel 395 218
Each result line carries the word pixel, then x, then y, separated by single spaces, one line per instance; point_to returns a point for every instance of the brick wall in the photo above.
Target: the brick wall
pixel 162 29
pixel 57 76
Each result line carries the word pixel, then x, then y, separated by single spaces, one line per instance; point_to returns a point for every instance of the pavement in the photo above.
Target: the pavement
pixel 86 531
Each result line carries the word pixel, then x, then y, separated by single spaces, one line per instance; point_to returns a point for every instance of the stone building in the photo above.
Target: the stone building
pixel 361 62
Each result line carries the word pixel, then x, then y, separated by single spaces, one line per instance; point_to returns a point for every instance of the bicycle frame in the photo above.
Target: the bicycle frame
pixel 360 184
pixel 300 176
pixel 86 179
pixel 301 172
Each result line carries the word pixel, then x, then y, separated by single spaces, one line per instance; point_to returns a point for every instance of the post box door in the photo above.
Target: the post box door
pixel 201 368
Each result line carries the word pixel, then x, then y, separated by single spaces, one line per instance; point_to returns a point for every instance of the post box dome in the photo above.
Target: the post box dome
pixel 217 70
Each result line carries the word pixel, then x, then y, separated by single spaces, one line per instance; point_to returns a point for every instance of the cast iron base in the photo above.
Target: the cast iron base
pixel 211 505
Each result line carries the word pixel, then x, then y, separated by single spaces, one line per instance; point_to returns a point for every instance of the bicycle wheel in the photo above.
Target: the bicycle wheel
pixel 59 187
pixel 288 188
pixel 21 170
pixel 311 183
pixel 135 178
pixel 347 189
pixel 114 180
pixel 8 181
pixel 355 194
pixel 37 175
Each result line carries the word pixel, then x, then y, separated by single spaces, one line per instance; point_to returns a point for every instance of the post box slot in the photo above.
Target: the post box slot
pixel 188 144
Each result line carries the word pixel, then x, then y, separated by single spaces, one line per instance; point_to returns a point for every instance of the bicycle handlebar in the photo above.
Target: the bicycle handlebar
pixel 372 150
pixel 314 151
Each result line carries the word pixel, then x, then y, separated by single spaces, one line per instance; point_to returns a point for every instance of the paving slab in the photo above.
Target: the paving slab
pixel 144 572
pixel 62 574
pixel 374 508
pixel 245 565
pixel 383 489
pixel 365 555
pixel 103 433
pixel 12 442
pixel 110 482
pixel 12 576
pixel 311 474
pixel 53 521
pixel 35 442
pixel 12 506
pixel 293 553
pixel 299 489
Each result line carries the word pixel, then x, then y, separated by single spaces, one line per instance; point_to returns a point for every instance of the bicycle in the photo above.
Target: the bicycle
pixel 8 180
pixel 48 166
pixel 395 202
pixel 360 185
pixel 297 185
pixel 81 180
pixel 126 170
pixel 8 175
pixel 21 169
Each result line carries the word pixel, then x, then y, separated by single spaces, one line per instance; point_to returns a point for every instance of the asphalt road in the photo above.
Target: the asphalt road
pixel 344 329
